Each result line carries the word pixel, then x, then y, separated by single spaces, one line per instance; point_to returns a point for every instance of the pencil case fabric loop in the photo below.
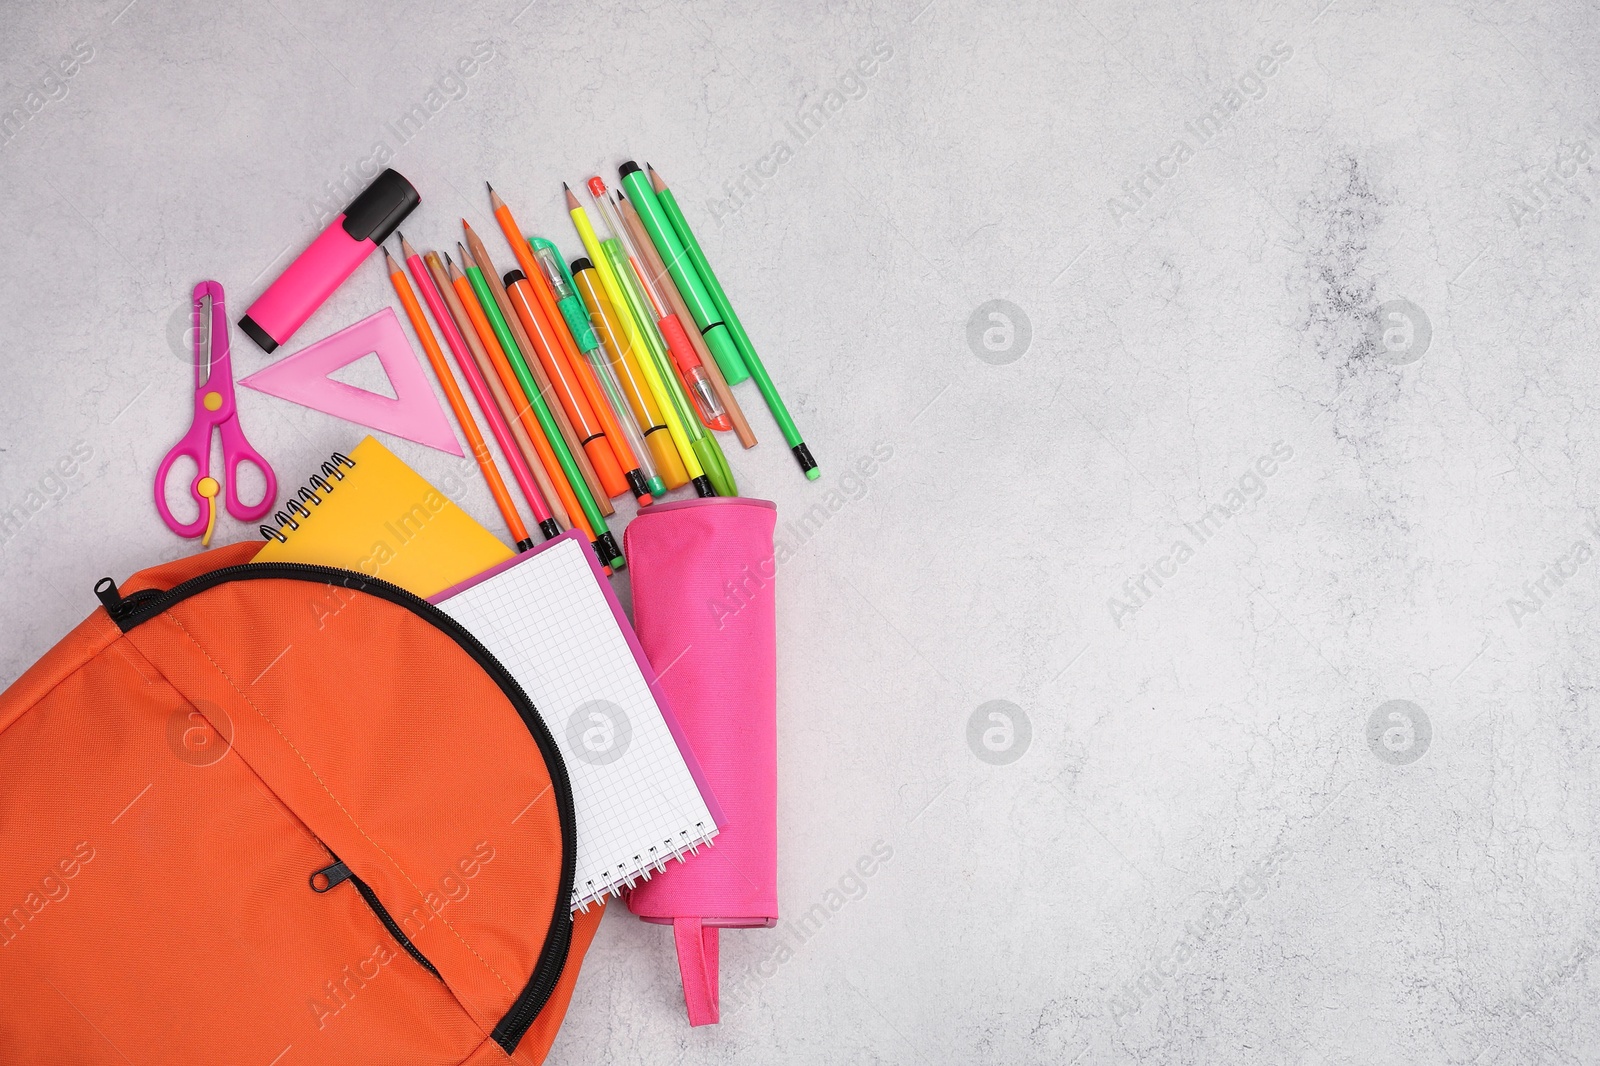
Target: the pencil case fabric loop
pixel 702 574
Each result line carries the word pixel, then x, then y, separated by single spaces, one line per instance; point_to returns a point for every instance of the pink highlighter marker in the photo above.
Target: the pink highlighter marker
pixel 332 257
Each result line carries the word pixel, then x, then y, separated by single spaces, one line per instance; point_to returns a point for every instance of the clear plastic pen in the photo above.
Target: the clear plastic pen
pixel 551 268
pixel 697 383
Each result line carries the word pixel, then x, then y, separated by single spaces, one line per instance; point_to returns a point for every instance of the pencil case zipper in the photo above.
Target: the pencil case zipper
pixel 145 604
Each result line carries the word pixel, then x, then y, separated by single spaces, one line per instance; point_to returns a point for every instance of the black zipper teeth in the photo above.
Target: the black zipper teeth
pixel 390 924
pixel 141 607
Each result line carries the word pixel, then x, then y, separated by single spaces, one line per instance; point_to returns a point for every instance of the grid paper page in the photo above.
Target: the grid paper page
pixel 635 801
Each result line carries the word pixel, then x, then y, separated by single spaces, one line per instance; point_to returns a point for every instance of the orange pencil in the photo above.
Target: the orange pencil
pixel 502 367
pixel 537 487
pixel 458 404
pixel 502 300
pixel 590 433
pixel 581 370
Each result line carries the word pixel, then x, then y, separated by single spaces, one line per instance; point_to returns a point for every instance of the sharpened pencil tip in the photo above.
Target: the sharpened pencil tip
pixel 486 185
pixel 565 186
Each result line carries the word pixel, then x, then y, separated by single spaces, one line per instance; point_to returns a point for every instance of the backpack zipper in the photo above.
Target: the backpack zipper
pixel 140 607
pixel 326 878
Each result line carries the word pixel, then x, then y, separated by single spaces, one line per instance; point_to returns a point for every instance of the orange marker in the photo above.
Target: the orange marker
pixel 525 415
pixel 587 381
pixel 590 433
pixel 458 404
pixel 569 347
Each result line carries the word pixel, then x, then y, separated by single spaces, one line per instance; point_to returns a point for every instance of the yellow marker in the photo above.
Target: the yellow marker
pixel 652 376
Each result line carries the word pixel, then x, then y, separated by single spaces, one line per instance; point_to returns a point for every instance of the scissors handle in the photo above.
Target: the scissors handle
pixel 235 451
pixel 196 445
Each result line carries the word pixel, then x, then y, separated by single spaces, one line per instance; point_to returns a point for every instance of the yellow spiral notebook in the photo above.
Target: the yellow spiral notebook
pixel 369 511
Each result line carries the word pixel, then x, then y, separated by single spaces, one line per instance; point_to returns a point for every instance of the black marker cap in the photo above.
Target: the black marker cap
pixel 257 334
pixel 637 483
pixel 512 277
pixel 630 167
pixel 380 208
pixel 550 528
pixel 610 554
pixel 524 545
pixel 802 455
pixel 581 263
pixel 702 486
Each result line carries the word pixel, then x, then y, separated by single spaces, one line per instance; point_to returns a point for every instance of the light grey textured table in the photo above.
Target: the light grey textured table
pixel 1283 415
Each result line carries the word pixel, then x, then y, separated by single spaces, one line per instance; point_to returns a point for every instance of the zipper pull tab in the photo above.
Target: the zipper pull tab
pixel 329 876
pixel 122 608
pixel 110 598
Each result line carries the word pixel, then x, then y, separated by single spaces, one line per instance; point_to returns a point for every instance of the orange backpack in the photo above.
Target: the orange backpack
pixel 279 814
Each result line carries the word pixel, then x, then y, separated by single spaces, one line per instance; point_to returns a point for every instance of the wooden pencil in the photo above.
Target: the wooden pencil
pixel 592 391
pixel 458 402
pixel 502 299
pixel 548 471
pixel 498 409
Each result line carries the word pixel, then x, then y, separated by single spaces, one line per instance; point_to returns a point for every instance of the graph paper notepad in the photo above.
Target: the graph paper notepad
pixel 638 796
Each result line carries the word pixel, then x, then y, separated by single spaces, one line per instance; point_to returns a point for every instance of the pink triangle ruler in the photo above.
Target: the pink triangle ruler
pixel 413 413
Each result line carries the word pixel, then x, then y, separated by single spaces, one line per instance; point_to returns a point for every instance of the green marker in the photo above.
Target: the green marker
pixel 605 543
pixel 769 391
pixel 566 294
pixel 704 444
pixel 701 306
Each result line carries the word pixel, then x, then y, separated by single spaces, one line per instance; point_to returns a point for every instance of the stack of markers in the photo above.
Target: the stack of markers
pixel 606 377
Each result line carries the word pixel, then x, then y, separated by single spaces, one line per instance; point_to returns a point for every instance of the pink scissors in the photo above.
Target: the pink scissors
pixel 214 409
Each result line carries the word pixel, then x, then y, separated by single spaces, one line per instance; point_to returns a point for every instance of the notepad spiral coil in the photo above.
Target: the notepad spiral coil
pixel 626 875
pixel 312 492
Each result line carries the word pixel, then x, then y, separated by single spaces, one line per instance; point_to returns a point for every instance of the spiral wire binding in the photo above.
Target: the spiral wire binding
pixel 312 493
pixel 625 875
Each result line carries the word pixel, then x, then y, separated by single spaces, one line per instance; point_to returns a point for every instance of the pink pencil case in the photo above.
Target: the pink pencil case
pixel 702 577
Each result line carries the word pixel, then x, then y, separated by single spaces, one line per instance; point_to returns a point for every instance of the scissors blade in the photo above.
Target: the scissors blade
pixel 202 351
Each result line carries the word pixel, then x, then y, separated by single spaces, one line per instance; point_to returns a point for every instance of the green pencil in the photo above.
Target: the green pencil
pixel 605 543
pixel 741 339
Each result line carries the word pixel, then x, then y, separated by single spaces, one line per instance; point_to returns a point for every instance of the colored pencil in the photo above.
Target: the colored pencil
pixel 542 333
pixel 583 504
pixel 458 403
pixel 559 492
pixel 581 372
pixel 543 499
pixel 479 372
pixel 524 346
